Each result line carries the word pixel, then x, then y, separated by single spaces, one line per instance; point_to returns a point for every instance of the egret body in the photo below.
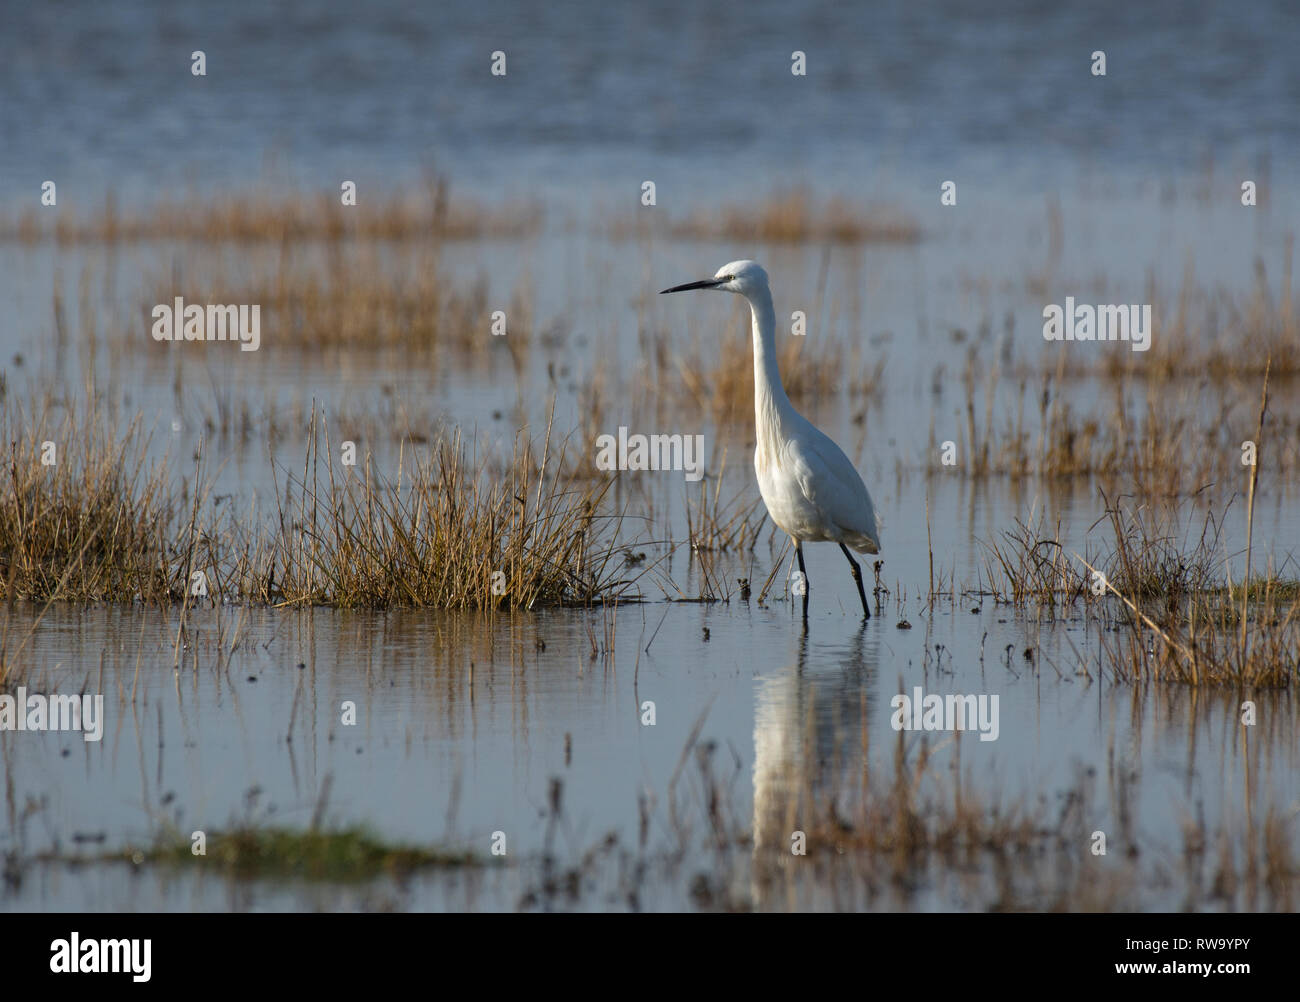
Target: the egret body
pixel 811 490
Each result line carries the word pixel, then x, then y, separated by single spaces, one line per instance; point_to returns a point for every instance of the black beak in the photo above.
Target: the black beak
pixel 708 283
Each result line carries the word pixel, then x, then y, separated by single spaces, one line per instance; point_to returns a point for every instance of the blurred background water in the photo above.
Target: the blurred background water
pixel 598 96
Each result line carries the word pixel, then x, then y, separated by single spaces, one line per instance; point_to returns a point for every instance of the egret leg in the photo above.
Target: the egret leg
pixel 857 577
pixel 798 552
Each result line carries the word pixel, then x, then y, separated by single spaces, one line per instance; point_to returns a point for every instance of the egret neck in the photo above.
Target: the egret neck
pixel 771 405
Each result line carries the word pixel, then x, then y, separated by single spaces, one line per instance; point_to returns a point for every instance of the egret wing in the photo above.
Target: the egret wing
pixel 829 480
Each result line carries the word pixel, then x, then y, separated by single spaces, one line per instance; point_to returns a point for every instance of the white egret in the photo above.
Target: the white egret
pixel 811 490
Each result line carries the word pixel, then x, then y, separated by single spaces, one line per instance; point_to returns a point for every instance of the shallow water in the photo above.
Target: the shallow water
pixel 592 92
pixel 462 722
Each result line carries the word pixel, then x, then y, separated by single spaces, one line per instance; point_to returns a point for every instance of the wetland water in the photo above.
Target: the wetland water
pixel 464 721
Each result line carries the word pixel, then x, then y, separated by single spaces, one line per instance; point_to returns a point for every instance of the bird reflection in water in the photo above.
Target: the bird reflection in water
pixel 811 726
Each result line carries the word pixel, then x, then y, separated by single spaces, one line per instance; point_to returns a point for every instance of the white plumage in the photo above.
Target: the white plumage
pixel 811 489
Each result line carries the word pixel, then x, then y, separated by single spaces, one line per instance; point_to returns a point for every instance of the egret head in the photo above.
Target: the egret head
pixel 743 277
